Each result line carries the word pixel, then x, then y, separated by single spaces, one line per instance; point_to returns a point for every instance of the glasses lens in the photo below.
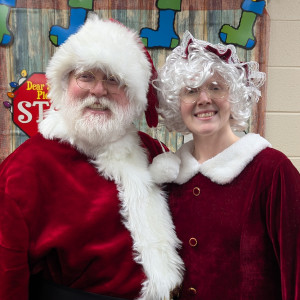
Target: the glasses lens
pixel 189 95
pixel 85 80
pixel 112 81
pixel 217 90
pixel 214 90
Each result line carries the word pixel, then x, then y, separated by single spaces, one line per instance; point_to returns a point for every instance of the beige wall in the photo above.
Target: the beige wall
pixel 282 127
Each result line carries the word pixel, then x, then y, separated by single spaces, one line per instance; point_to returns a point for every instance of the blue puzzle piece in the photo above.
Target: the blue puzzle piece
pixel 165 34
pixel 6 39
pixel 250 44
pixel 6 35
pixel 223 36
pixel 77 18
pixel 11 3
pixel 254 6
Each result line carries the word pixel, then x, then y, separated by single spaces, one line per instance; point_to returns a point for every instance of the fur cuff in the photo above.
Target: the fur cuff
pixel 165 168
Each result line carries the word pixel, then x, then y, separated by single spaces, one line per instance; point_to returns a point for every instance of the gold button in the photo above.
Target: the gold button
pixel 196 191
pixel 192 291
pixel 193 242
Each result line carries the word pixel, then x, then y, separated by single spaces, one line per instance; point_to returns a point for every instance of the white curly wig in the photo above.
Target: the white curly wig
pixel 194 62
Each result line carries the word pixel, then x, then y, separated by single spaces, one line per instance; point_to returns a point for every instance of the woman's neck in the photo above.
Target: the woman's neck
pixel 206 147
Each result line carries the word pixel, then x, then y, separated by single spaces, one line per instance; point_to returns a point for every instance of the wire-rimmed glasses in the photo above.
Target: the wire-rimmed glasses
pixel 215 90
pixel 87 80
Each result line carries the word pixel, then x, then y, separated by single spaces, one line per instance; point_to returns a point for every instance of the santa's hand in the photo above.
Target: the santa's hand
pixel 165 167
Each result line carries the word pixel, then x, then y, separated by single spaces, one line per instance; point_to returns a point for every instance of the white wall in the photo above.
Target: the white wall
pixel 282 127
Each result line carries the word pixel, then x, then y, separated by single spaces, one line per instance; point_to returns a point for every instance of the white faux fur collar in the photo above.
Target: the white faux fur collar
pixel 143 207
pixel 225 166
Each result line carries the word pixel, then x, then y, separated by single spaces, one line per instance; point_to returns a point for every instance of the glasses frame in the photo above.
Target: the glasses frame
pixel 111 85
pixel 187 98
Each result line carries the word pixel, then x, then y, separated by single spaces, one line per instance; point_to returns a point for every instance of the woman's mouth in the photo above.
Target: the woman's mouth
pixel 205 114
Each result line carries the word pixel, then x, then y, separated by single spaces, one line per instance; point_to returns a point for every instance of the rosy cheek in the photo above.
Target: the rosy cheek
pixel 74 91
pixel 185 109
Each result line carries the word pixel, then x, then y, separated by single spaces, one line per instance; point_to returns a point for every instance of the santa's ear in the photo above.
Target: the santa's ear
pixel 165 168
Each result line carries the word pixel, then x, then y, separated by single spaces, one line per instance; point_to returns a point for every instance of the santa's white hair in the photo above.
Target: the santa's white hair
pixel 191 64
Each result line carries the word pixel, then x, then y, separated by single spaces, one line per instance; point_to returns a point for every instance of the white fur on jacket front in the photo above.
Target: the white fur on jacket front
pixel 143 207
pixel 225 166
pixel 181 166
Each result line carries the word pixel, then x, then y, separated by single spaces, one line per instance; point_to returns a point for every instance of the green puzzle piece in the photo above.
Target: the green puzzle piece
pixel 169 4
pixel 4 12
pixel 243 33
pixel 87 4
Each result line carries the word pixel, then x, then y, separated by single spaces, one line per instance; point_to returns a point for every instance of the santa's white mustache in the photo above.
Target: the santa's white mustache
pixel 95 103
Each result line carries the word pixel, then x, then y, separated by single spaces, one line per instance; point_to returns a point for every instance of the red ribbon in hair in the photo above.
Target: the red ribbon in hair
pixel 224 56
pixel 187 49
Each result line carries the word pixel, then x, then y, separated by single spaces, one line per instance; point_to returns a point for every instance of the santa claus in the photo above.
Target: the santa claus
pixel 79 209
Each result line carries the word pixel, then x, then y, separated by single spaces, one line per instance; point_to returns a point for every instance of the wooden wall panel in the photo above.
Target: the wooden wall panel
pixel 31 20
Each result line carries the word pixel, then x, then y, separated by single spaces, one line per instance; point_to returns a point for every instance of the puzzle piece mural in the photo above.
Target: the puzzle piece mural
pixel 78 13
pixel 243 35
pixel 164 36
pixel 6 36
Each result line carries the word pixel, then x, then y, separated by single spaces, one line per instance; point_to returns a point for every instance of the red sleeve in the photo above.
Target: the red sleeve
pixel 283 222
pixel 14 267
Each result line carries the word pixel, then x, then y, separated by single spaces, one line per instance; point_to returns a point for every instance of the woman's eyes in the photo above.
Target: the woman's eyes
pixel 214 86
pixel 191 90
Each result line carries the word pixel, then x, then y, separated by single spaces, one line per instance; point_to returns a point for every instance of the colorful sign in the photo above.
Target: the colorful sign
pixel 29 103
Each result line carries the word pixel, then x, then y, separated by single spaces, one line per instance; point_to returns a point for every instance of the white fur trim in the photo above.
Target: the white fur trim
pixel 165 167
pixel 225 166
pixel 54 126
pixel 106 45
pixel 146 215
pixel 143 207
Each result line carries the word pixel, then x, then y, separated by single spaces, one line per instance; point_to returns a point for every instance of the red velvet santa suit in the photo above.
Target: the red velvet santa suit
pixel 238 216
pixel 85 224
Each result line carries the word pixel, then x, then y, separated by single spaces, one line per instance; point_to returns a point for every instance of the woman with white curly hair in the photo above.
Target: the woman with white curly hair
pixel 236 201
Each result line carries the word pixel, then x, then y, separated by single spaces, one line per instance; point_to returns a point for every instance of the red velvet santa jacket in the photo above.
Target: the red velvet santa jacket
pixel 238 216
pixel 100 226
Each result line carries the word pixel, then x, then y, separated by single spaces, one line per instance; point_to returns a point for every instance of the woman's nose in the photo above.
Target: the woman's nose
pixel 203 97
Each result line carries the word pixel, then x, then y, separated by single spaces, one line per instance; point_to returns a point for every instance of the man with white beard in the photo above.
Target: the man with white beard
pixel 80 216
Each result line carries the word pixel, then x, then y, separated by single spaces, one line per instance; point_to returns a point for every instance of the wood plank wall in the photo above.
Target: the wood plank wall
pixel 31 20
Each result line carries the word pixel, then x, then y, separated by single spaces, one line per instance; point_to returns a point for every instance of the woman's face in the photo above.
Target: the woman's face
pixel 206 110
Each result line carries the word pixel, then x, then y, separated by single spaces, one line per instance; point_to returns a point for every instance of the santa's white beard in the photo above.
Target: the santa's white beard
pixel 94 130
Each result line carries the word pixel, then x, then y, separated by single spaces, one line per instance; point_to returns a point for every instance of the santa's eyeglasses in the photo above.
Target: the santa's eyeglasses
pixel 87 80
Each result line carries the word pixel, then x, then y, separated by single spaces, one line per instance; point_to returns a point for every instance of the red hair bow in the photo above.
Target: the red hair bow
pixel 224 56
